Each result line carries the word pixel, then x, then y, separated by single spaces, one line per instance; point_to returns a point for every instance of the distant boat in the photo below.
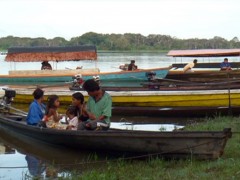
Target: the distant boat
pixel 209 71
pixel 43 54
pixel 68 53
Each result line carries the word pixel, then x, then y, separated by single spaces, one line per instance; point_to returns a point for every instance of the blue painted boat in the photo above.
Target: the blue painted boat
pixel 76 53
pixel 122 78
pixel 140 74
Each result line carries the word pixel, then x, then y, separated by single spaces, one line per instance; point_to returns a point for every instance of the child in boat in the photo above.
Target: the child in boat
pixel 80 106
pixel 52 117
pixel 72 120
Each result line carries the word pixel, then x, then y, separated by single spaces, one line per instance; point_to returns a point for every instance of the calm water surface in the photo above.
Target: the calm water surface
pixel 23 159
pixel 106 62
pixel 110 62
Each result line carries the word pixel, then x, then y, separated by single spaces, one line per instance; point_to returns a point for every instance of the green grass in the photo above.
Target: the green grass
pixel 226 167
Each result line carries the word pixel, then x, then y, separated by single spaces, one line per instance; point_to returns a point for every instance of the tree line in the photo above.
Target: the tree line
pixel 124 42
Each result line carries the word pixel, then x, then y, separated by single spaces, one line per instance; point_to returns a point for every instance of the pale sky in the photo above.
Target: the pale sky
pixel 71 18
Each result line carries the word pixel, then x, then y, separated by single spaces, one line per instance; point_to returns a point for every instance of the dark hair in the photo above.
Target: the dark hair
pixel 71 110
pixel 78 96
pixel 91 85
pixel 38 93
pixel 50 102
pixel 225 59
pixel 195 60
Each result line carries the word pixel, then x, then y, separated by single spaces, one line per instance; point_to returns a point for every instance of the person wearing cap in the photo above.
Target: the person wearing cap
pixel 225 65
pixel 132 66
pixel 189 66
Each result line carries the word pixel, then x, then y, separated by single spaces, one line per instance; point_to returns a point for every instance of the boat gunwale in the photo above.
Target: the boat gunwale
pixel 121 133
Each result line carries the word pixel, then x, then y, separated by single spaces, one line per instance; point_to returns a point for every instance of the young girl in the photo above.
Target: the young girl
pixel 72 120
pixel 52 117
pixel 80 106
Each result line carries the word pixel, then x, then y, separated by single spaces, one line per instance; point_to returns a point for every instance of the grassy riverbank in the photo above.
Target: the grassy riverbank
pixel 226 167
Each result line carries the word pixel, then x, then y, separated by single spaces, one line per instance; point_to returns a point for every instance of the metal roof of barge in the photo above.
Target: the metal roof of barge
pixel 204 53
pixel 54 53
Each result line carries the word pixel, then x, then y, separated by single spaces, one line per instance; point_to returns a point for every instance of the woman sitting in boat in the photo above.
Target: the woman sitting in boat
pixel 225 65
pixel 79 105
pixel 37 108
pixel 189 66
pixel 46 66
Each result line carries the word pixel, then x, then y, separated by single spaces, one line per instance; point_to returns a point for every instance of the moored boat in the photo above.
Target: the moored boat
pixel 191 98
pixel 176 144
pixel 45 54
pixel 204 72
pixel 169 85
pixel 68 53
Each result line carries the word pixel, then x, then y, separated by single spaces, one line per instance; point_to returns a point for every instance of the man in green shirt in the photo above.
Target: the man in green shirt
pixel 98 108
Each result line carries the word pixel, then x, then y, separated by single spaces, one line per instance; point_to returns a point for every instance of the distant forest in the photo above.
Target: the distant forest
pixel 124 42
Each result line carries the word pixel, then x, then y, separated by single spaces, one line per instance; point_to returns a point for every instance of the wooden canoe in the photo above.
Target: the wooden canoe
pixel 192 98
pixel 176 144
pixel 170 85
pixel 40 76
pixel 234 65
pixel 204 75
pixel 213 71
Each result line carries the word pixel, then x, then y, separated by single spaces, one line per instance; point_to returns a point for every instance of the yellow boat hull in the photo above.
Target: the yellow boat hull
pixel 211 98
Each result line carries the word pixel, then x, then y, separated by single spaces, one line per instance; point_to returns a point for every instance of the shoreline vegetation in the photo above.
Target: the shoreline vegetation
pixel 225 167
pixel 127 42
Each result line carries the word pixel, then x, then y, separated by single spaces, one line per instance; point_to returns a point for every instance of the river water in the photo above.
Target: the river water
pixel 22 159
pixel 106 62
pixel 110 62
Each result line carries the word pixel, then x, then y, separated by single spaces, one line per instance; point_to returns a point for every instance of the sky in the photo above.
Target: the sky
pixel 182 19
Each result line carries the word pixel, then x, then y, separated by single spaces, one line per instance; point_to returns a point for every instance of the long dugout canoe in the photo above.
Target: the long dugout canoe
pixel 176 144
pixel 198 98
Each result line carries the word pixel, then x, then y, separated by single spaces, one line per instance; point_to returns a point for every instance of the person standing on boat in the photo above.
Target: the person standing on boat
pixel 225 65
pixel 189 66
pixel 99 107
pixel 37 108
pixel 132 66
